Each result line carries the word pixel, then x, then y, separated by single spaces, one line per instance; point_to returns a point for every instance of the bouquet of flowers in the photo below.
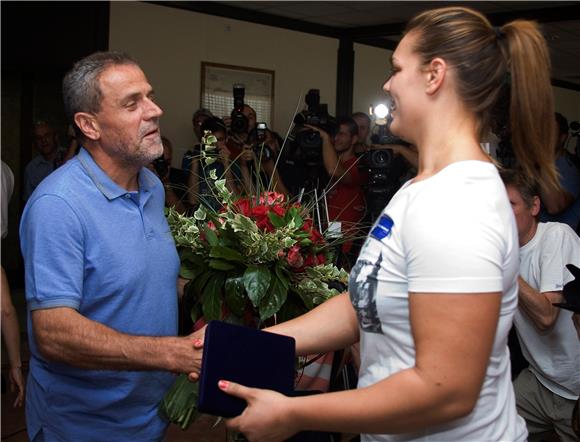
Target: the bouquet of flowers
pixel 258 261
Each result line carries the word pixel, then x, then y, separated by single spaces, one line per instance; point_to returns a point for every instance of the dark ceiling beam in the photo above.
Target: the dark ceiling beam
pixel 544 15
pixel 382 43
pixel 565 84
pixel 221 10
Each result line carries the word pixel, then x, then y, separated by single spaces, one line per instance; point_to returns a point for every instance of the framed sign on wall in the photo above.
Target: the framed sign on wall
pixel 217 81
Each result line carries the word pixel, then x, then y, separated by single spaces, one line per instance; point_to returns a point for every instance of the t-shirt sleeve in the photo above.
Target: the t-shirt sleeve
pixel 52 241
pixel 454 244
pixel 560 246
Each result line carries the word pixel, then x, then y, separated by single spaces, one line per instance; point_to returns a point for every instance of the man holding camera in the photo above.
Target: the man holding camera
pixel 547 390
pixel 345 196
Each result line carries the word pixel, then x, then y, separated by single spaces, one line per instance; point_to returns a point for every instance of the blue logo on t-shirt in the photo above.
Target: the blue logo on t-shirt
pixel 382 228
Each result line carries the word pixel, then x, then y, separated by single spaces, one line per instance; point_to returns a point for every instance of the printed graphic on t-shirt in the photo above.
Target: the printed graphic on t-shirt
pixel 382 229
pixel 363 294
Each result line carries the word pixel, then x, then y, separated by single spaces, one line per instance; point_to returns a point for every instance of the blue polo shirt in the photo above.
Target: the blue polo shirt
pixel 90 245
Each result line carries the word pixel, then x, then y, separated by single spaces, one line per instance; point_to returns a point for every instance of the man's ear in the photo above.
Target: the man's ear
pixel 354 139
pixel 88 125
pixel 435 75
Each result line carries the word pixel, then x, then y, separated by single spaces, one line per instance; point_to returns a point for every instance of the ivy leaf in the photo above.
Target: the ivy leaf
pixel 235 299
pixel 212 302
pixel 256 282
pixel 200 214
pixel 275 298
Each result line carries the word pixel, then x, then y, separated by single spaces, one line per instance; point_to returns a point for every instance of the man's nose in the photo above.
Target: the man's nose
pixel 153 110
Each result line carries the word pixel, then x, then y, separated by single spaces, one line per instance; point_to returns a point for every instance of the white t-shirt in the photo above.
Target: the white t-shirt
pixel 554 356
pixel 451 233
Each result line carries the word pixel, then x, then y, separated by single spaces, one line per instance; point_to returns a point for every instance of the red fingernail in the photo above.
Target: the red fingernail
pixel 197 342
pixel 223 385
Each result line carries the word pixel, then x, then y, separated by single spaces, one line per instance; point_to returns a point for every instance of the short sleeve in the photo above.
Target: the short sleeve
pixel 52 241
pixel 560 246
pixel 454 244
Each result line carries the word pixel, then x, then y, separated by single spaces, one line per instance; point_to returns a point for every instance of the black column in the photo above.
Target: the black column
pixel 344 76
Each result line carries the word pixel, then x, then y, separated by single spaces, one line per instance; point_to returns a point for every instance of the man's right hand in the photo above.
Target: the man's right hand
pixel 323 134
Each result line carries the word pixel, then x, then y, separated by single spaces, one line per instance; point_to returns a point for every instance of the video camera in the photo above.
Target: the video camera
pixel 385 170
pixel 306 143
pixel 239 124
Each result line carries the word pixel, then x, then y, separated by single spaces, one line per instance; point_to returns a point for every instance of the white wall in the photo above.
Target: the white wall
pixel 170 45
pixel 371 68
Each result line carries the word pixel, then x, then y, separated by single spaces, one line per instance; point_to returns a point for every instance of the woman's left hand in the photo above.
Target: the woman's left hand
pixel 267 417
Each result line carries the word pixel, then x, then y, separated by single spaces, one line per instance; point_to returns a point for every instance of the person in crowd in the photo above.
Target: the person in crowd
pixel 345 196
pixel 434 360
pixel 175 181
pixel 547 390
pixel 200 188
pixel 101 269
pixel 10 325
pixel 562 204
pixel 199 116
pixel 363 121
pixel 258 168
pixel 50 156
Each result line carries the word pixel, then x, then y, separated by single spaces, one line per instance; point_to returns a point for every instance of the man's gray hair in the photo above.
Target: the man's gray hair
pixel 80 86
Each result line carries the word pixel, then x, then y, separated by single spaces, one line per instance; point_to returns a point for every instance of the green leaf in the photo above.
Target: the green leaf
pixel 220 264
pixel 256 282
pixel 275 298
pixel 276 220
pixel 235 295
pixel 200 214
pixel 212 297
pixel 199 283
pixel 210 235
pixel 281 273
pixel 291 309
pixel 226 253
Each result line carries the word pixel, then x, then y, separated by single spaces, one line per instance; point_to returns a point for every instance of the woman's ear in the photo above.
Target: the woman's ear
pixel 88 125
pixel 435 75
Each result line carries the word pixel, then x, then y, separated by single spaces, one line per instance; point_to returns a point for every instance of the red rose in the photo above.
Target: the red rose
pixel 294 258
pixel 243 206
pixel 278 210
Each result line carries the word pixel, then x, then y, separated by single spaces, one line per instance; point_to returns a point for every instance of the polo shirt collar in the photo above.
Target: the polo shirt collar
pixel 105 184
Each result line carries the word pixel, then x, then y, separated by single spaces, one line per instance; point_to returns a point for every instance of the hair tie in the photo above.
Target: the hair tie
pixel 499 34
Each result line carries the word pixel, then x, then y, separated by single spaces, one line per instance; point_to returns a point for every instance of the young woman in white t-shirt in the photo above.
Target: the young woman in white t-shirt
pixel 434 290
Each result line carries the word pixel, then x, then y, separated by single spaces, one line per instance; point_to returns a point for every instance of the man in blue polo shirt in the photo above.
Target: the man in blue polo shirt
pixel 102 269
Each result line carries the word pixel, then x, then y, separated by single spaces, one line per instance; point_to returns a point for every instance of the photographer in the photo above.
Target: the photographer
pixel 258 163
pixel 198 118
pixel 200 190
pixel 345 197
pixel 174 180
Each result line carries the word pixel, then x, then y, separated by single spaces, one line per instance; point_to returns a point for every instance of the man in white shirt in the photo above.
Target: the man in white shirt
pixel 547 390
